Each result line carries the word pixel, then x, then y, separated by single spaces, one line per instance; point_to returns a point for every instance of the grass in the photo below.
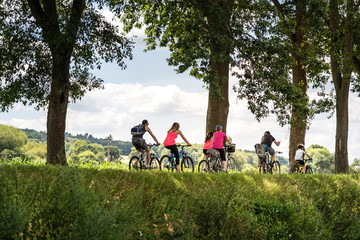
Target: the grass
pixel 55 202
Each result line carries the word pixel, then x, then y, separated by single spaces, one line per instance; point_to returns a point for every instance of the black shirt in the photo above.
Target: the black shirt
pixel 267 140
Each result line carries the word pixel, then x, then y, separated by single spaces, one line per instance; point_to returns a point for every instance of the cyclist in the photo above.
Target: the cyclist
pixel 209 140
pixel 299 156
pixel 139 142
pixel 268 139
pixel 170 143
pixel 219 137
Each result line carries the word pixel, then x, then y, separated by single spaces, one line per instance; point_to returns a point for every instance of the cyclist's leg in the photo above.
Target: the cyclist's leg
pixel 272 153
pixel 223 159
pixel 175 151
pixel 205 154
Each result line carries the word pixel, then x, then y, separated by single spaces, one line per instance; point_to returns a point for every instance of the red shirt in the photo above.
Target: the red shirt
pixel 170 139
pixel 219 138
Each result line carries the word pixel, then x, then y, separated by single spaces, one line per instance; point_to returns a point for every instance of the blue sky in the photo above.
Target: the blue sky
pixel 150 89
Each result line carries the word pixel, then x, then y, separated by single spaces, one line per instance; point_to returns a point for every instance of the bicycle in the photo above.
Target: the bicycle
pixel 214 163
pixel 264 156
pixel 139 162
pixel 168 161
pixel 297 168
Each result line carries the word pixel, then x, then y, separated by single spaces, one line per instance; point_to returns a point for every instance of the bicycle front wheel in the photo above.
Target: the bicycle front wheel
pixel 203 166
pixel 231 165
pixel 187 164
pixel 308 170
pixel 155 163
pixel 275 168
pixel 166 163
pixel 135 164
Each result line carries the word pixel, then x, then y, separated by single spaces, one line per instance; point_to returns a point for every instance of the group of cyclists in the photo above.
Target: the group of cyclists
pixel 214 140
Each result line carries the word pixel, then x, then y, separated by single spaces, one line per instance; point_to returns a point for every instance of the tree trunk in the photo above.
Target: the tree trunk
pixel 298 117
pixel 341 138
pixel 298 120
pixel 218 107
pixel 56 118
pixel 341 77
pixel 220 47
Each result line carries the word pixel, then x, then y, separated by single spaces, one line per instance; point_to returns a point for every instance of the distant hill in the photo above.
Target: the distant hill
pixel 124 146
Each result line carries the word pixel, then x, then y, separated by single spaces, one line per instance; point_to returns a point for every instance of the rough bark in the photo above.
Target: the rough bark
pixel 298 120
pixel 218 108
pixel 341 78
pixel 56 118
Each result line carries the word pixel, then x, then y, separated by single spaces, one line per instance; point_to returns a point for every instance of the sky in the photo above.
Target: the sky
pixel 150 89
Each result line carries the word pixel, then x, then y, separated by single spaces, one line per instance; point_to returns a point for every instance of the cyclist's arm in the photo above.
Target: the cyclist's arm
pixel 228 140
pixel 183 137
pixel 152 135
pixel 277 142
pixel 308 155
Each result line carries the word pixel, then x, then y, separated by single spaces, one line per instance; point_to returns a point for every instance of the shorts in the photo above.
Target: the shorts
pixel 301 162
pixel 139 144
pixel 271 151
pixel 204 151
pixel 222 154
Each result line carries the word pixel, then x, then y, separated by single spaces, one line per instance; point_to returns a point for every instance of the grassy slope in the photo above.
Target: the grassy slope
pixel 60 202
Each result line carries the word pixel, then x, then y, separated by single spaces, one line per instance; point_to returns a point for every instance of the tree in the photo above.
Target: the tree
pixel 201 36
pixel 11 138
pixel 344 17
pixel 282 55
pixel 115 153
pixel 48 49
pixel 322 159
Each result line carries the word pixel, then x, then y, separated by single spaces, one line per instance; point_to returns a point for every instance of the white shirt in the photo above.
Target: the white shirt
pixel 299 154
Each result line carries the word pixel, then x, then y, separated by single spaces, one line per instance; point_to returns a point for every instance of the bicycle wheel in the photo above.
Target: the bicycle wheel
pixel 166 163
pixel 203 166
pixel 295 169
pixel 231 165
pixel 135 164
pixel 308 170
pixel 155 163
pixel 275 168
pixel 261 169
pixel 187 164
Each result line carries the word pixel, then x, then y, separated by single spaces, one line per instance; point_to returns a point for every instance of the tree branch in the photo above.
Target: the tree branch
pixel 75 17
pixel 38 13
pixel 283 20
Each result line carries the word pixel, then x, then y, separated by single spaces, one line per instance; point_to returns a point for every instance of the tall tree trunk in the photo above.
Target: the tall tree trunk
pixel 341 74
pixel 218 14
pixel 298 120
pixel 218 107
pixel 298 117
pixel 56 118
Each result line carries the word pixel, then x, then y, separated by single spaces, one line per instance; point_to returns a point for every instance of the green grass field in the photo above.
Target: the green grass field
pixel 55 202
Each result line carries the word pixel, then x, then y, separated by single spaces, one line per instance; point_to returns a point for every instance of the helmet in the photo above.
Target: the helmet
pixel 218 127
pixel 301 146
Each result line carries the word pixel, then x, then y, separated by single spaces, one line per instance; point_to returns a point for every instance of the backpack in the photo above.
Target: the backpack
pixel 137 130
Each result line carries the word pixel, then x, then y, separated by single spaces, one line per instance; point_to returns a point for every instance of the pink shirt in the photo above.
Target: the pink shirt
pixel 219 138
pixel 170 139
pixel 208 144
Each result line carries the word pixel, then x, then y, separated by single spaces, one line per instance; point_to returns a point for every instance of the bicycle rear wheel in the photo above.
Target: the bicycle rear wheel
pixel 231 165
pixel 135 164
pixel 203 166
pixel 295 169
pixel 308 170
pixel 187 164
pixel 275 168
pixel 166 163
pixel 155 163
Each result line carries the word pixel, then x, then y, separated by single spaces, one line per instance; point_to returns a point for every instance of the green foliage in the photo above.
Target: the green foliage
pixel 323 160
pixel 77 203
pixel 33 40
pixel 11 138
